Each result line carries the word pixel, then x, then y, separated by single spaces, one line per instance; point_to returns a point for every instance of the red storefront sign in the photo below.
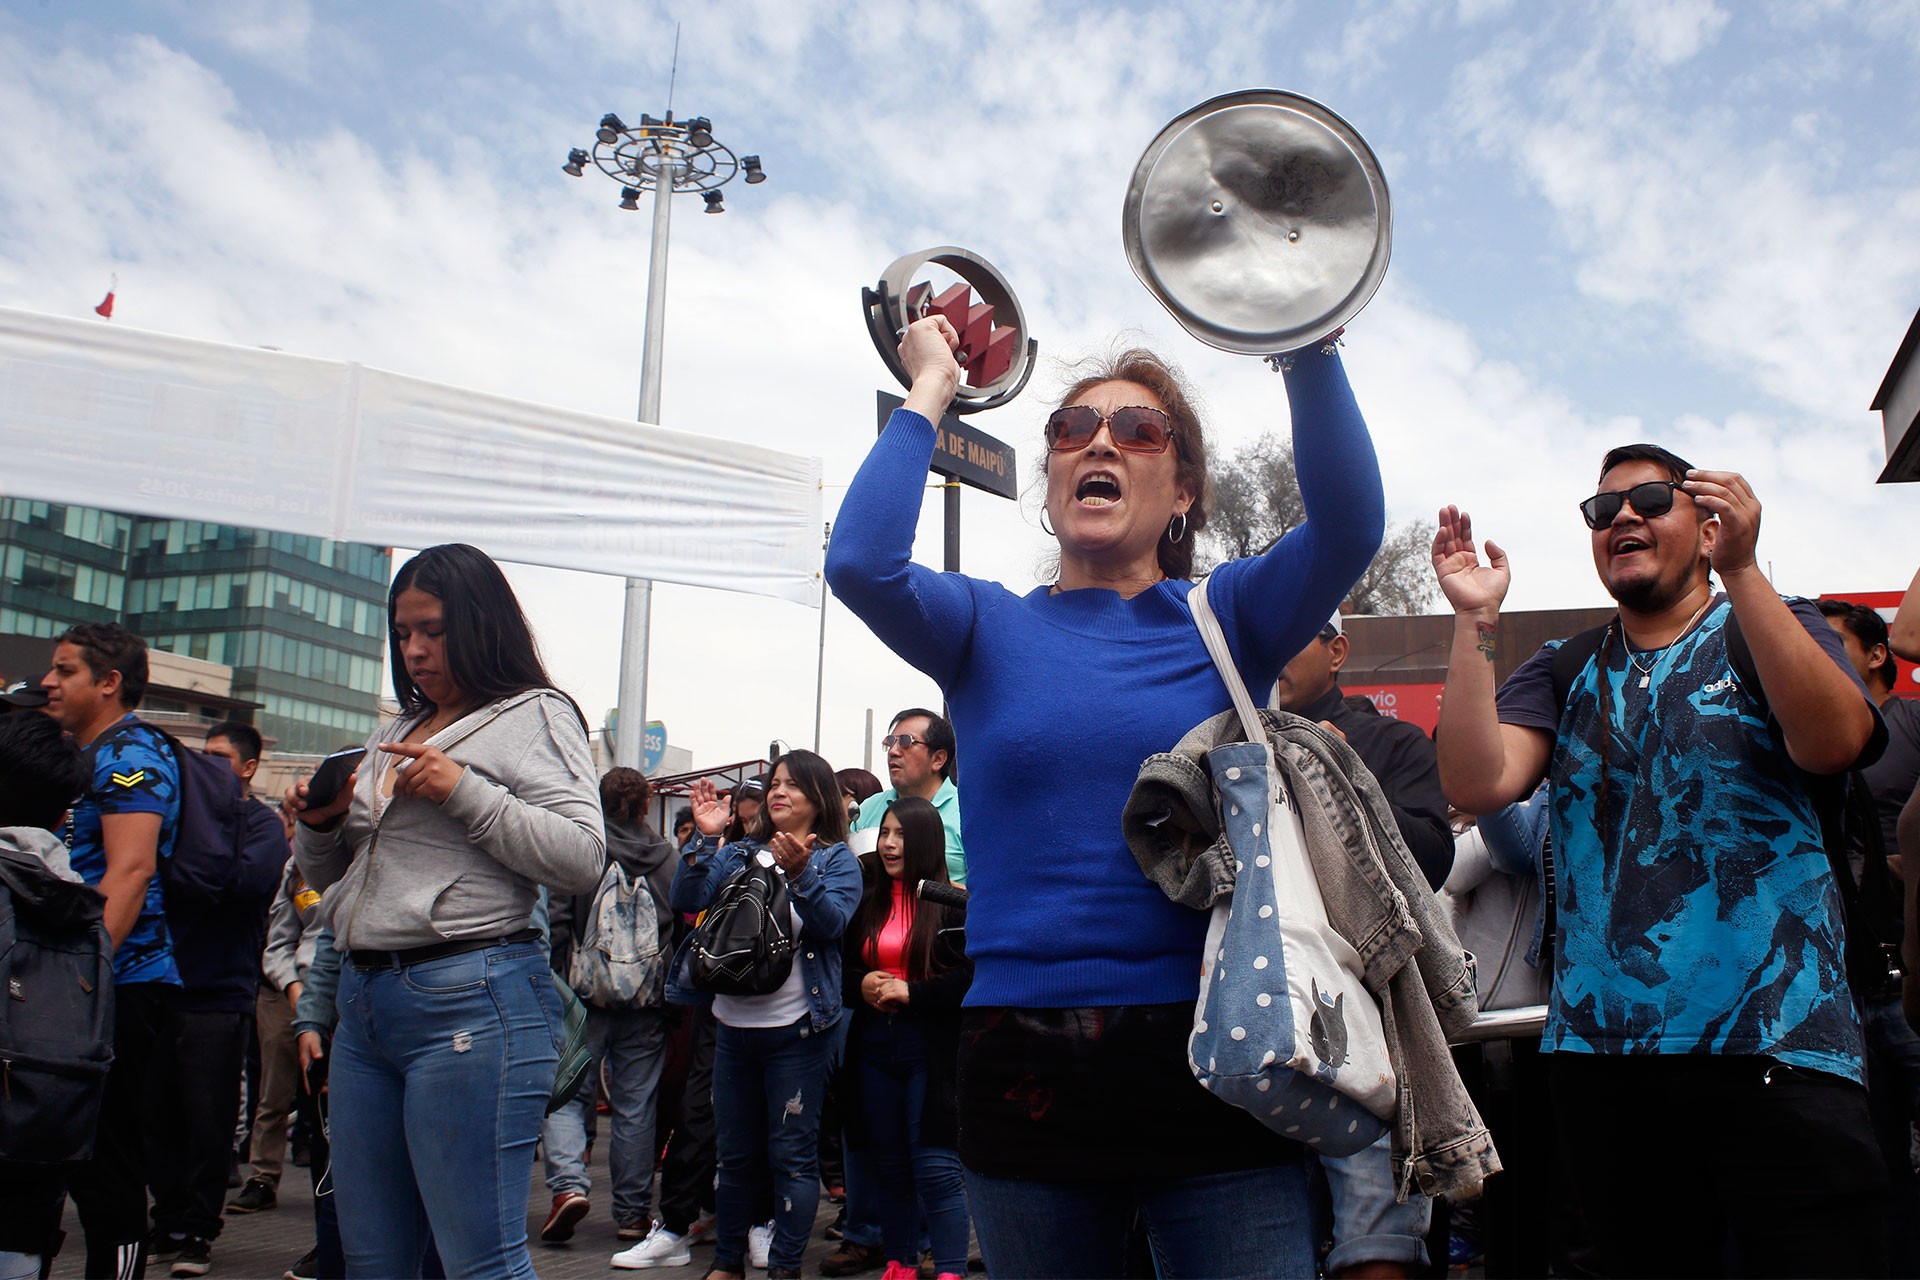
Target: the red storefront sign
pixel 1415 703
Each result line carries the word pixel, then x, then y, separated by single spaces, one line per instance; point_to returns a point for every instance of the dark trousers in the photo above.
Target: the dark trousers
pixel 1703 1165
pixel 686 1178
pixel 190 1142
pixel 310 1102
pixel 110 1190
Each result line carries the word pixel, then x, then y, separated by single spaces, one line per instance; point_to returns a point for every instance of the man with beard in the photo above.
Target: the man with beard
pixel 1705 1055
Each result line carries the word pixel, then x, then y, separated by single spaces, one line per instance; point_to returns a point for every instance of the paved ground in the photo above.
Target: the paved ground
pixel 260 1246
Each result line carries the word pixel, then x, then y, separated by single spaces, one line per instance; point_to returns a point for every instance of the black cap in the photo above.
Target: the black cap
pixel 25 694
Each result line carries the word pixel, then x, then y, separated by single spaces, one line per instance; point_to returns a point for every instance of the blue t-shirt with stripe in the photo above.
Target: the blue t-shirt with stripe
pixel 132 772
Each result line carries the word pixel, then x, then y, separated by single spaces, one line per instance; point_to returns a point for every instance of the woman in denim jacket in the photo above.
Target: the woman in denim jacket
pixel 772 1052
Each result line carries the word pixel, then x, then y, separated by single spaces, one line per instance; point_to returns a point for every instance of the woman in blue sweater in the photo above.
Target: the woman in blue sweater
pixel 1077 1106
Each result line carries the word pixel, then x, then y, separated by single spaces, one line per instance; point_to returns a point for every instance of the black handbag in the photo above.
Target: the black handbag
pixel 743 945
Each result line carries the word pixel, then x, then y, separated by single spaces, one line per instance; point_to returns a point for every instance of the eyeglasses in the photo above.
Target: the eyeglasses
pixel 1136 428
pixel 904 741
pixel 1654 498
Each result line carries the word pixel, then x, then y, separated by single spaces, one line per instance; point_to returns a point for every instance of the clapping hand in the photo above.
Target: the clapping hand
pixel 791 852
pixel 709 810
pixel 1468 584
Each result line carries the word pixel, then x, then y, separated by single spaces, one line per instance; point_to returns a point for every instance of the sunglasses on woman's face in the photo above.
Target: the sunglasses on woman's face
pixel 1654 498
pixel 1136 428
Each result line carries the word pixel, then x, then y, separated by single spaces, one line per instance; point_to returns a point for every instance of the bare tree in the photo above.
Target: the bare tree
pixel 1256 500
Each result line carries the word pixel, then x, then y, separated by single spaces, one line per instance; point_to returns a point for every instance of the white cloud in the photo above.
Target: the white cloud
pixel 1671 31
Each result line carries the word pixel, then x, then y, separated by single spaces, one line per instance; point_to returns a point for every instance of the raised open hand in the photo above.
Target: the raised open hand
pixel 1468 584
pixel 709 810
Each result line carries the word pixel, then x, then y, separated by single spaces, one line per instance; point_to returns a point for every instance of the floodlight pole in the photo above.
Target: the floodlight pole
pixel 667 159
pixel 636 625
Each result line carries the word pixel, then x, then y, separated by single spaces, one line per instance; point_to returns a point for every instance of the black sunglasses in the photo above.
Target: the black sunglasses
pixel 1654 498
pixel 1135 428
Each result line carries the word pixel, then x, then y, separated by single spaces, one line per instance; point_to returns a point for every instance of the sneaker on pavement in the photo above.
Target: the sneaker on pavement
pixel 258 1194
pixel 704 1229
pixel 851 1259
pixel 633 1230
pixel 661 1248
pixel 308 1268
pixel 899 1271
pixel 163 1247
pixel 759 1244
pixel 568 1208
pixel 195 1258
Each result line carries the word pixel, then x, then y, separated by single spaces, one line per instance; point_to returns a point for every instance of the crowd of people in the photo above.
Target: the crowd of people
pixel 1691 824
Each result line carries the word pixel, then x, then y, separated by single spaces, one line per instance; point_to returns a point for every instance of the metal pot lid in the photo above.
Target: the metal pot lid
pixel 1261 220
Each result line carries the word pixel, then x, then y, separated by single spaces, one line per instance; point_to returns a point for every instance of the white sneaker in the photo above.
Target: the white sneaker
pixel 704 1229
pixel 661 1248
pixel 759 1244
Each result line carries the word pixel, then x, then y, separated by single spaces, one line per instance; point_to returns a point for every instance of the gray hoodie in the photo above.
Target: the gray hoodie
pixel 526 812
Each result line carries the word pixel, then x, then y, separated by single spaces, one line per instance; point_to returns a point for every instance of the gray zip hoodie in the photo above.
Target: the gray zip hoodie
pixel 526 812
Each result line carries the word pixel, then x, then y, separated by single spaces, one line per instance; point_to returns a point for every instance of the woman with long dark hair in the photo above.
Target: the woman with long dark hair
pixel 481 791
pixel 1078 1109
pixel 772 1052
pixel 906 973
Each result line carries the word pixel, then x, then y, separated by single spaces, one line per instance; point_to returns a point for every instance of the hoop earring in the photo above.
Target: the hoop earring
pixel 1180 519
pixel 1045 525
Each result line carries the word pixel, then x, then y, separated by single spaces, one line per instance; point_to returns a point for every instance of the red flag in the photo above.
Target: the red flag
pixel 106 304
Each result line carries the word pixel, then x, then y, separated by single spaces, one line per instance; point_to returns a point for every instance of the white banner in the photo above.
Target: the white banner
pixel 95 414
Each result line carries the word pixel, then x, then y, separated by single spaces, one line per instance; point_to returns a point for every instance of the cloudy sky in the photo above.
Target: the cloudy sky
pixel 1643 219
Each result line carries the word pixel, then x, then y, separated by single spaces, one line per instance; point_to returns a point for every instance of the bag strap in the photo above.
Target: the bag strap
pixel 1216 642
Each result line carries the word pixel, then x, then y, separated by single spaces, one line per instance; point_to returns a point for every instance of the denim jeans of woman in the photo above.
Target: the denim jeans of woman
pixel 1249 1222
pixel 768 1084
pixel 439 1080
pixel 908 1175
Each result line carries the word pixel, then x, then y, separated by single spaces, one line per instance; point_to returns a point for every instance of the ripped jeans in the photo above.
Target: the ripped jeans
pixel 768 1084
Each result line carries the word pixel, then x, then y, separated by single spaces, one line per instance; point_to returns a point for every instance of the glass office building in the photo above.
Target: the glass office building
pixel 302 621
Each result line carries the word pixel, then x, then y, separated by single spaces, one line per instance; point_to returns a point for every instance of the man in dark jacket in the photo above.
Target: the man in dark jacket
pixel 628 1032
pixel 1398 755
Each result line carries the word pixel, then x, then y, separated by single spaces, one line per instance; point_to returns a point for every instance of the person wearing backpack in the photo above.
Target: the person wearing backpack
pixel 56 960
pixel 779 1027
pixel 118 835
pixel 1704 1054
pixel 612 946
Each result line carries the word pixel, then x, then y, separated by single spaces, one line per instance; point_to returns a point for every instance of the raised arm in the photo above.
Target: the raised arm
pixel 1904 635
pixel 1484 765
pixel 1824 716
pixel 925 617
pixel 1277 601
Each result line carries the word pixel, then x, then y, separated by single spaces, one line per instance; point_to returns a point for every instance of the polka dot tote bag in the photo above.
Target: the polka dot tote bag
pixel 1284 1028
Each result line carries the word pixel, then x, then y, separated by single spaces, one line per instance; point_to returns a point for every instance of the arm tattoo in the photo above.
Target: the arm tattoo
pixel 1485 643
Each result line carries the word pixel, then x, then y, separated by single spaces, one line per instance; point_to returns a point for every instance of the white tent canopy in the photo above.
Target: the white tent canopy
pixel 104 416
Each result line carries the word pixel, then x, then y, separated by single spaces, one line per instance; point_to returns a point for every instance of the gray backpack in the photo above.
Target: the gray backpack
pixel 620 960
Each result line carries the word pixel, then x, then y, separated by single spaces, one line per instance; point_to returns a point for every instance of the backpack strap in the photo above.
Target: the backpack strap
pixel 1571 658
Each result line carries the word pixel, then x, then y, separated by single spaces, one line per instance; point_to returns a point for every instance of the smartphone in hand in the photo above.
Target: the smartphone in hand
pixel 332 775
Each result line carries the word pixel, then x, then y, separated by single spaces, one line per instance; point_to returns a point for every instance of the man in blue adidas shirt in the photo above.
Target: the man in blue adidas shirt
pixel 116 837
pixel 1705 1056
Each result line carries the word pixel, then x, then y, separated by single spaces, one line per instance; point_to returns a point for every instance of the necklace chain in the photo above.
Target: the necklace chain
pixel 1654 655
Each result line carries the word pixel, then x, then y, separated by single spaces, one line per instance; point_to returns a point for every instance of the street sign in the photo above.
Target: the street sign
pixel 653 746
pixel 964 452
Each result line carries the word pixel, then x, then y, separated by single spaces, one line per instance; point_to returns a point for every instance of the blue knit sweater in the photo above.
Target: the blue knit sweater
pixel 1056 700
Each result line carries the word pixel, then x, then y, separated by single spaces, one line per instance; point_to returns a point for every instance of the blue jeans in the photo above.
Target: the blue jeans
pixel 1250 1222
pixel 633 1045
pixel 892 1057
pixel 1369 1225
pixel 440 1076
pixel 768 1084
